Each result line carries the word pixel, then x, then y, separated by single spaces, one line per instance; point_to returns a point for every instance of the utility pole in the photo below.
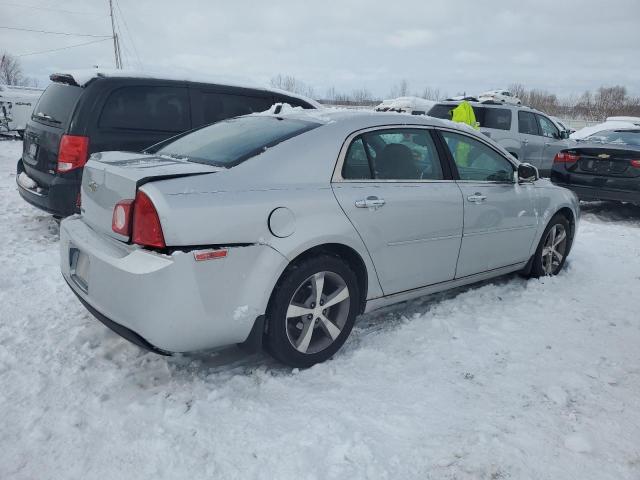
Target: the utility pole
pixel 116 43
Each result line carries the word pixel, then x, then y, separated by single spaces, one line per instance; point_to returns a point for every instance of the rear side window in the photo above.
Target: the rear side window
pixel 527 123
pixel 398 154
pixel 161 109
pixel 499 118
pixel 219 106
pixel 56 104
pixel 442 111
pixel 230 142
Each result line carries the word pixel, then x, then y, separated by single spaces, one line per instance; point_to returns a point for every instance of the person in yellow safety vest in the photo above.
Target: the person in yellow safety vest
pixel 463 113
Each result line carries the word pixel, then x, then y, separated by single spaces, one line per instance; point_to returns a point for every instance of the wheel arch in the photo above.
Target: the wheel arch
pixel 344 252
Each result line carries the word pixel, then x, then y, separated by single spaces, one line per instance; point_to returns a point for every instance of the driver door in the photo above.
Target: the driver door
pixel 499 216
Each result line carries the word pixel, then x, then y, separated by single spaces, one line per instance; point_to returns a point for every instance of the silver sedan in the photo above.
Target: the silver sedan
pixel 278 230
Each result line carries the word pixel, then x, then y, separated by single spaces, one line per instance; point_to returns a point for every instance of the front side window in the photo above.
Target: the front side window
pixel 476 161
pixel 230 142
pixel 161 109
pixel 527 123
pixel 398 154
pixel 547 127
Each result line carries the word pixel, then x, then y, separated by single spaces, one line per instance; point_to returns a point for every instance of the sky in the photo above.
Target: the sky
pixel 565 47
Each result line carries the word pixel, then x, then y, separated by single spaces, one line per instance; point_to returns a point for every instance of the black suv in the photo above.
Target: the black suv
pixel 78 115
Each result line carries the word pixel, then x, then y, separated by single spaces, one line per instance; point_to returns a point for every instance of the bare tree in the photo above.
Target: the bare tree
pixel 361 95
pixel 400 90
pixel 10 70
pixel 292 84
pixel 431 93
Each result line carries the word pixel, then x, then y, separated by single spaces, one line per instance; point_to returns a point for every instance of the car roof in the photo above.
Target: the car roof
pixel 353 120
pixel 83 77
pixel 489 104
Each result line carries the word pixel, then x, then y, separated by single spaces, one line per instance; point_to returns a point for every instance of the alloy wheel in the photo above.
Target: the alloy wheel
pixel 317 312
pixel 554 249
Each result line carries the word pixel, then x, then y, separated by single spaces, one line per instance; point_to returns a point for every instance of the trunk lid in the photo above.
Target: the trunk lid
pixel 607 161
pixel 110 177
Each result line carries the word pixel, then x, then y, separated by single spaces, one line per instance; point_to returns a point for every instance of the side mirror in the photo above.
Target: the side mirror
pixel 527 173
pixel 565 134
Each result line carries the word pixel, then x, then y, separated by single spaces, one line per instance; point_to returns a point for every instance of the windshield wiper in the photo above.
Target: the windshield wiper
pixel 46 117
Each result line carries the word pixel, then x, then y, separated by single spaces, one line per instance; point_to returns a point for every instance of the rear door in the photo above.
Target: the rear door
pixel 134 117
pixel 499 216
pixel 400 197
pixel 50 120
pixel 532 142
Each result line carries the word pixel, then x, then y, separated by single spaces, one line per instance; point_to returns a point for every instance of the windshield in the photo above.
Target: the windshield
pixel 619 137
pixel 56 104
pixel 230 142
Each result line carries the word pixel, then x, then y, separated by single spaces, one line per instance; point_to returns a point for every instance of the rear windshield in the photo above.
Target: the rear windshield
pixel 499 118
pixel 230 142
pixel 619 137
pixel 56 104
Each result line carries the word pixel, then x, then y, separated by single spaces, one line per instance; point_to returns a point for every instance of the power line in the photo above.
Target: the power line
pixel 56 33
pixel 124 20
pixel 51 9
pixel 64 48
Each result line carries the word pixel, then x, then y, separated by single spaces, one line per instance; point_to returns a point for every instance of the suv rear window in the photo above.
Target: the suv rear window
pixel 499 118
pixel 56 104
pixel 230 142
pixel 160 109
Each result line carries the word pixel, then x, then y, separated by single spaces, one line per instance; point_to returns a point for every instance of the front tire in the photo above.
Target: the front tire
pixel 553 248
pixel 312 311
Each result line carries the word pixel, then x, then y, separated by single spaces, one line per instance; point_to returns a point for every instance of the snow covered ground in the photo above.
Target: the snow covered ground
pixel 515 379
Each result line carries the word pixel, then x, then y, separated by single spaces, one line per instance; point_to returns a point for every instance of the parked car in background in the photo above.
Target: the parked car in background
pixel 529 135
pixel 499 96
pixel 603 166
pixel 611 123
pixel 411 105
pixel 283 228
pixel 16 105
pixel 91 111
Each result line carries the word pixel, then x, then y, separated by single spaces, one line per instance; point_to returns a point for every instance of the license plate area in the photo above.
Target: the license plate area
pixel 79 268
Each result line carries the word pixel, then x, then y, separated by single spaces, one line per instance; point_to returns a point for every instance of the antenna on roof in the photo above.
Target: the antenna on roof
pixel 116 42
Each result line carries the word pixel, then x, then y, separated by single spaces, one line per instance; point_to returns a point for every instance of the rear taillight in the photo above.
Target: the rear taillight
pixel 73 153
pixel 147 230
pixel 565 157
pixel 635 163
pixel 121 218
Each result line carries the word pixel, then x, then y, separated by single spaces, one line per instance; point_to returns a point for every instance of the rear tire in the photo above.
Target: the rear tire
pixel 312 311
pixel 553 248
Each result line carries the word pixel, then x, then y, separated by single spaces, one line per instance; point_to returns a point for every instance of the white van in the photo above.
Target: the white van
pixel 16 105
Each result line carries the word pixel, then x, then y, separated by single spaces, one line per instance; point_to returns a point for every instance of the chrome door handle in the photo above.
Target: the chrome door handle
pixel 525 141
pixel 477 198
pixel 370 202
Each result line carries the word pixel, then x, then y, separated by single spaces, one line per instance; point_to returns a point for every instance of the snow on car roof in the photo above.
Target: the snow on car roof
pixel 84 76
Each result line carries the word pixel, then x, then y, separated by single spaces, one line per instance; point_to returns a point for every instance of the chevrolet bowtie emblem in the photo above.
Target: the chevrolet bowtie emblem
pixel 93 186
pixel 604 155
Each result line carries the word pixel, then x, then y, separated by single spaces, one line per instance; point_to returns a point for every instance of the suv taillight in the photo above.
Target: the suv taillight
pixel 147 230
pixel 565 157
pixel 73 153
pixel 139 219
